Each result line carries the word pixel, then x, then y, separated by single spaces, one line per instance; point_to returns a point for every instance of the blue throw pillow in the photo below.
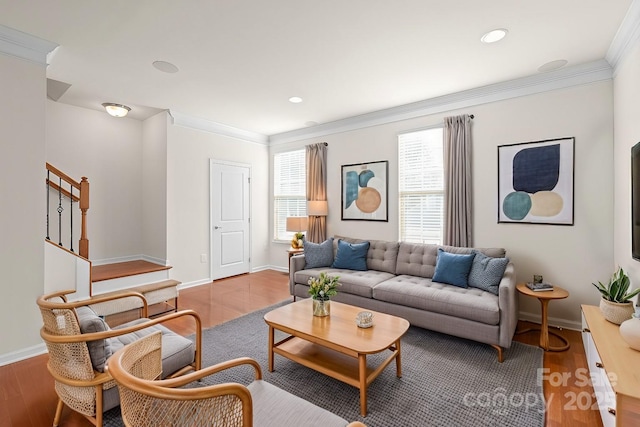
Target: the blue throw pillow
pixel 351 256
pixel 318 254
pixel 486 272
pixel 453 269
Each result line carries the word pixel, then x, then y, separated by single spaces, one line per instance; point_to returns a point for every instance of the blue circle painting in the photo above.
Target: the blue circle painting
pixel 516 205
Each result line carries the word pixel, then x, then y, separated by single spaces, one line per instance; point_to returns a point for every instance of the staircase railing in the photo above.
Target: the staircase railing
pixel 61 188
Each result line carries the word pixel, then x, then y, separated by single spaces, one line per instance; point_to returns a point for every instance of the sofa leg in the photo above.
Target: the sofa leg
pixel 500 356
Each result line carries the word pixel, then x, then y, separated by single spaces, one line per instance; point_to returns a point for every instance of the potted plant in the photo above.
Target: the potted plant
pixel 321 289
pixel 298 240
pixel 616 305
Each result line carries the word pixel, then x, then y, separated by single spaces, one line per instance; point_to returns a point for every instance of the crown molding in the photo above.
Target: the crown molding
pixel 626 37
pixel 25 46
pixel 566 77
pixel 198 123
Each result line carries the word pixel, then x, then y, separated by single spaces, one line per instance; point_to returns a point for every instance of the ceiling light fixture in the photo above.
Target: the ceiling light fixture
pixel 116 110
pixel 553 65
pixel 494 35
pixel 295 99
pixel 165 67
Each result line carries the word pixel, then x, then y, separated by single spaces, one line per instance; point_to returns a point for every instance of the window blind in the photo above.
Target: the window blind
pixel 421 186
pixel 289 190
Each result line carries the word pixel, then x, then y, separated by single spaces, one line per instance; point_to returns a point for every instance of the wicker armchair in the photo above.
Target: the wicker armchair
pixel 149 402
pixel 78 383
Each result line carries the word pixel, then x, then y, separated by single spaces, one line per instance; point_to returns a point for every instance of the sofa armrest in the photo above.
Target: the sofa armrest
pixel 296 263
pixel 508 303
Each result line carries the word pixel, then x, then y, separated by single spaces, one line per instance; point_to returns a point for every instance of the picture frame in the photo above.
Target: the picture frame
pixel 536 182
pixel 365 191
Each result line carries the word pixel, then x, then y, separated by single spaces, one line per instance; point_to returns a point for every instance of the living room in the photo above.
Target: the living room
pixel 152 198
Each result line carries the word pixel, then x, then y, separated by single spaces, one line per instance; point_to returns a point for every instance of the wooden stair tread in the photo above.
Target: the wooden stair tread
pixel 124 269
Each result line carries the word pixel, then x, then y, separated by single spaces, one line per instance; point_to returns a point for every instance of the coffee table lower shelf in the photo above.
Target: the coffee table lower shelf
pixel 349 368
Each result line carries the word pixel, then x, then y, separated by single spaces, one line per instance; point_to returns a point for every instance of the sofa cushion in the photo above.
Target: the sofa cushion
pixel 382 255
pixel 417 259
pixel 177 351
pixel 318 254
pixel 453 269
pixel 486 272
pixel 352 256
pixel 99 350
pixel 351 281
pixel 422 293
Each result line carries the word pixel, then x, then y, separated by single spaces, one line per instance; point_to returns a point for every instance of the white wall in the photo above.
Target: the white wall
pixel 188 229
pixel 108 151
pixel 22 174
pixel 627 133
pixel 571 257
pixel 154 187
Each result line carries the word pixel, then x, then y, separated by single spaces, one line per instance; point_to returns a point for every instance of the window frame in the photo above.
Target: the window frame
pixel 406 194
pixel 289 200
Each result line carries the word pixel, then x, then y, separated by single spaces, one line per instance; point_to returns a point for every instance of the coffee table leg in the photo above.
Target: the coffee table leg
pixel 362 368
pixel 271 340
pixel 398 360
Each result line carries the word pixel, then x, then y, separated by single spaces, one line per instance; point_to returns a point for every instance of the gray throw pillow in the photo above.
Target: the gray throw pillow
pixel 318 254
pixel 486 272
pixel 99 350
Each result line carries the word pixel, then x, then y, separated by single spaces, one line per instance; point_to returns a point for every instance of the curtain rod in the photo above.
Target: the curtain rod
pixel 471 116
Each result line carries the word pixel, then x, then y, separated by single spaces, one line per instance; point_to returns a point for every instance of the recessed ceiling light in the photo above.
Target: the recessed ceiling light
pixel 116 110
pixel 494 35
pixel 553 65
pixel 165 67
pixel 295 99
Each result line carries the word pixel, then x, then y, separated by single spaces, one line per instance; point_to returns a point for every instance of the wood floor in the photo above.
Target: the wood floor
pixel 28 398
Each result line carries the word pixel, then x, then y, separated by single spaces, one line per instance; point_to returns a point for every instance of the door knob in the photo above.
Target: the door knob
pixel 217 227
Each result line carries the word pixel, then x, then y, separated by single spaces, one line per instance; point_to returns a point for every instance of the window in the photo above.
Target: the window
pixel 289 191
pixel 421 186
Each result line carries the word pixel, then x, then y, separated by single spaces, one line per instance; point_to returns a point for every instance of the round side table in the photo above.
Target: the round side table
pixel 544 297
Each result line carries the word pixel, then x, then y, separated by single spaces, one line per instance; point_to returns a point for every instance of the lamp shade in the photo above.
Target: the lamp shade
pixel 317 208
pixel 297 223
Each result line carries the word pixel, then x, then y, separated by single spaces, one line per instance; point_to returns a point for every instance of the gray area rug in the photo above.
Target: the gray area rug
pixel 446 381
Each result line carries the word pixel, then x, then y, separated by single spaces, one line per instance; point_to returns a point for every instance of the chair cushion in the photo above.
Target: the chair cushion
pixel 486 272
pixel 177 351
pixel 274 407
pixel 99 350
pixel 318 254
pixel 453 269
pixel 352 256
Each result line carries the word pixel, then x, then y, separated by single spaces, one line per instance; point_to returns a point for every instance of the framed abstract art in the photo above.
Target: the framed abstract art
pixel 365 191
pixel 536 182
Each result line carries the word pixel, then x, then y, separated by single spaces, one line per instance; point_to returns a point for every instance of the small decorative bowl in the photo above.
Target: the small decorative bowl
pixel 364 319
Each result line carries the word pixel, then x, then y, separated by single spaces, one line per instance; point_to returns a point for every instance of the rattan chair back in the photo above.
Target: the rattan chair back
pixel 148 402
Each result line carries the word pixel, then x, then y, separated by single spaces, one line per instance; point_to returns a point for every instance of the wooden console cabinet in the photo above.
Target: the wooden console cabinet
pixel 614 369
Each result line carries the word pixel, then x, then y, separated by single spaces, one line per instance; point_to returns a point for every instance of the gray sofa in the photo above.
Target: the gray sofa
pixel 399 282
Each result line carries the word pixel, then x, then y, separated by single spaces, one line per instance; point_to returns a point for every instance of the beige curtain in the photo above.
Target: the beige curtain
pixel 457 181
pixel 316 162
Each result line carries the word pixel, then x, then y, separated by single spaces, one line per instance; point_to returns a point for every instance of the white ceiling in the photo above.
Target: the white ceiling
pixel 241 60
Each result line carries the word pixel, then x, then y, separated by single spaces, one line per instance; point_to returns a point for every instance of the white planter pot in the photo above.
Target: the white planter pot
pixel 616 312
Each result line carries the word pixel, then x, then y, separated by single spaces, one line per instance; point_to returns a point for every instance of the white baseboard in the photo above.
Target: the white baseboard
pixel 194 283
pixel 553 321
pixel 22 354
pixel 270 267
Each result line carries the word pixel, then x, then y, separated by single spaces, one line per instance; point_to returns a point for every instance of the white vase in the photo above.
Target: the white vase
pixel 630 331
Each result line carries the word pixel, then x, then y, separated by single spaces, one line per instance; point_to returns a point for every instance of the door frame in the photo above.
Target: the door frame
pixel 213 162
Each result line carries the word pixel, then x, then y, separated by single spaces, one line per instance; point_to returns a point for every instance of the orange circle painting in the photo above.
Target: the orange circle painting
pixel 368 200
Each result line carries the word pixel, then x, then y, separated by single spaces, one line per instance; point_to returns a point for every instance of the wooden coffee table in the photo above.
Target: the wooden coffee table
pixel 334 345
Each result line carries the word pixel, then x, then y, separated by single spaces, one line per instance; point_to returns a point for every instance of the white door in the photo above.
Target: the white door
pixel 230 222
